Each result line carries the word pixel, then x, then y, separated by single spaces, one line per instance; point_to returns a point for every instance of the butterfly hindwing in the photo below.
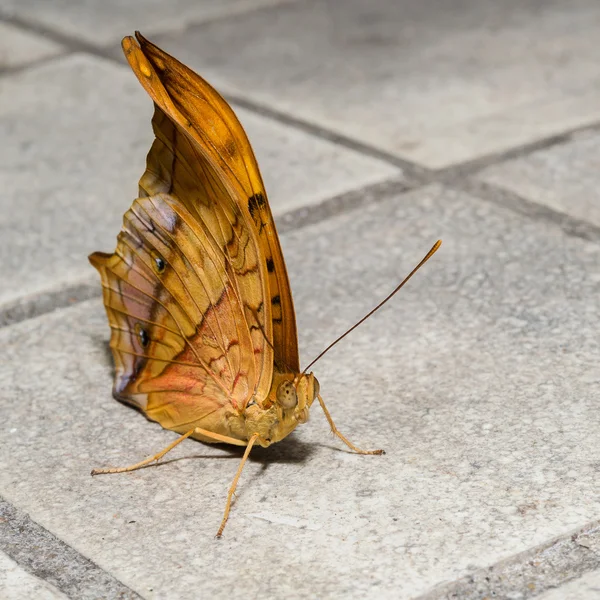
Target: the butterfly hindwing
pixel 181 346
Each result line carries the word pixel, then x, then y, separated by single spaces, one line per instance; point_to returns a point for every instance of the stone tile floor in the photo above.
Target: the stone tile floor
pixel 379 127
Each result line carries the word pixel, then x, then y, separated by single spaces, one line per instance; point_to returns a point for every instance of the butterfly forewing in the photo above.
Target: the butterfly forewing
pixel 200 113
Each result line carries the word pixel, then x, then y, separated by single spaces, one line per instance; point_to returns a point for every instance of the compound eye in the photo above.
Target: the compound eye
pixel 286 395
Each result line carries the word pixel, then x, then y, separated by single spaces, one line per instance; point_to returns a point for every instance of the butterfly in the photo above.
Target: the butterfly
pixel 203 329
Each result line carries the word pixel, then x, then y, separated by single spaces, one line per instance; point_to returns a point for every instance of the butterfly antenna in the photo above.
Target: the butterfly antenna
pixel 397 289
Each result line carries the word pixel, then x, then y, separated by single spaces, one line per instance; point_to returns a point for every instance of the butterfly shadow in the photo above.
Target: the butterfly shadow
pixel 291 451
pixel 103 344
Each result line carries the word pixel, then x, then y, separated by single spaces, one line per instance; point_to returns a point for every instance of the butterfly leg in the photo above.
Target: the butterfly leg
pixel 209 434
pixel 145 461
pixel 235 482
pixel 334 430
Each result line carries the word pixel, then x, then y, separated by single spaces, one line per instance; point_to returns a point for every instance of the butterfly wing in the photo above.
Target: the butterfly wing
pixel 203 115
pixel 188 291
pixel 182 347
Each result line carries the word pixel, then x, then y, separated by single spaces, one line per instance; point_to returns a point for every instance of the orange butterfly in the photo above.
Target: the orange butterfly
pixel 197 295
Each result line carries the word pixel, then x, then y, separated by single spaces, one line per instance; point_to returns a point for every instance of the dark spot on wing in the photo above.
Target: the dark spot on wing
pixel 270 265
pixel 256 202
pixel 160 264
pixel 276 300
pixel 144 338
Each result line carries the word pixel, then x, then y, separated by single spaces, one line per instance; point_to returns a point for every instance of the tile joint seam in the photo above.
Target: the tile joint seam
pixel 547 566
pixel 24 540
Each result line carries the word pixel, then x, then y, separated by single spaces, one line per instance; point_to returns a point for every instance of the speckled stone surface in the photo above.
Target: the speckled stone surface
pixel 19 47
pixel 44 556
pixel 61 201
pixel 18 584
pixel 435 82
pixel 586 587
pixel 106 21
pixel 479 381
pixel 563 177
pixel 528 574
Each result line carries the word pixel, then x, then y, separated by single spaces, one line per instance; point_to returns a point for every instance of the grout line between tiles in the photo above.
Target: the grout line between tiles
pixel 306 216
pixel 12 70
pixel 47 557
pixel 71 44
pixel 410 169
pixel 472 167
pixel 570 226
pixel 529 573
pixel 46 301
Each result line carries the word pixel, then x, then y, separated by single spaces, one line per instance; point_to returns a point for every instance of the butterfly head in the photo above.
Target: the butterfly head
pixel 290 400
pixel 296 395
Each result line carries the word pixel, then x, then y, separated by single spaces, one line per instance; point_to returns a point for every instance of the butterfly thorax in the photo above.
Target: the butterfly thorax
pixel 286 407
